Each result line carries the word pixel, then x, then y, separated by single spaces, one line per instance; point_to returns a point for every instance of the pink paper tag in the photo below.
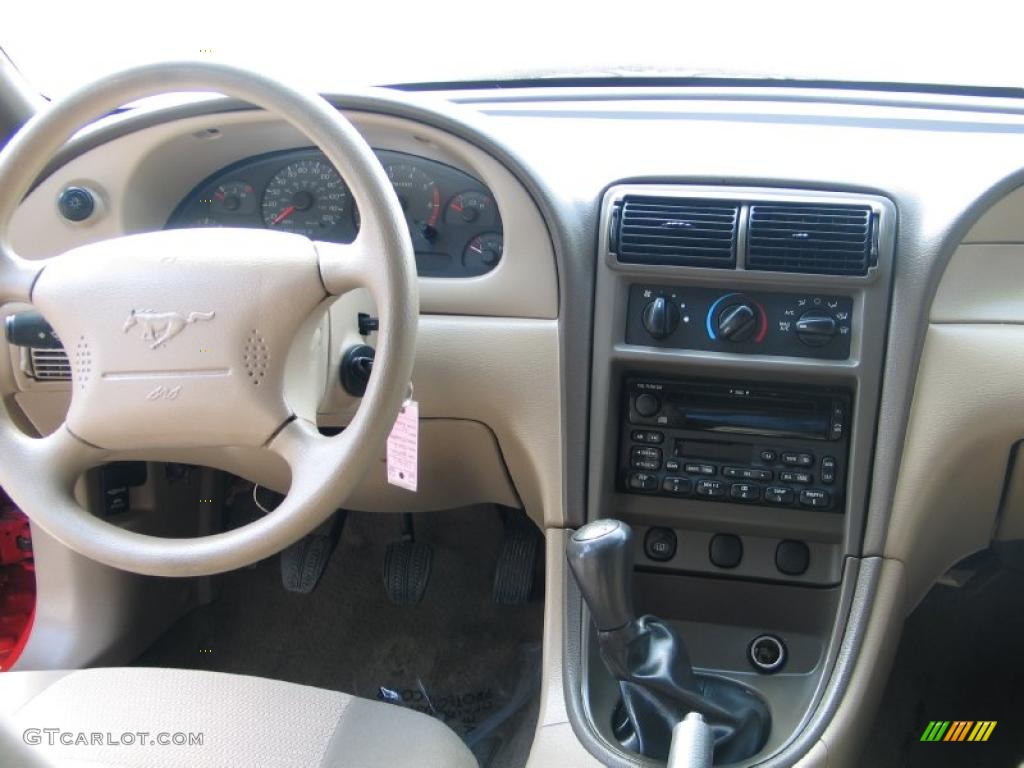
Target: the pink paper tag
pixel 403 445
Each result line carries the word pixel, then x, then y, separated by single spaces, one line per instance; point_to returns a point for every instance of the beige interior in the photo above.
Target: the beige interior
pixel 489 377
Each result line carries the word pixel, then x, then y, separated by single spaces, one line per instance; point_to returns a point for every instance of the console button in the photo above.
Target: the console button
pixel 778 495
pixel 792 557
pixel 747 473
pixel 815 498
pixel 768 456
pixel 711 488
pixel 676 485
pixel 639 436
pixel 642 481
pixel 647 404
pixel 642 457
pixel 656 437
pixel 660 544
pixel 700 469
pixel 672 465
pixel 828 470
pixel 798 459
pixel 726 550
pixel 745 491
pixel 795 477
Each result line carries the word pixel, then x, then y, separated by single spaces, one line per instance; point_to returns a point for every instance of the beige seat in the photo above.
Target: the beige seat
pixel 243 721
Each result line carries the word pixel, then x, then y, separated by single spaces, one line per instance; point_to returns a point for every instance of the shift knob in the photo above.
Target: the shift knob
pixel 600 555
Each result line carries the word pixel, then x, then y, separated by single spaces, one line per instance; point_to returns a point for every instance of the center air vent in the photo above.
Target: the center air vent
pixel 679 231
pixel 806 237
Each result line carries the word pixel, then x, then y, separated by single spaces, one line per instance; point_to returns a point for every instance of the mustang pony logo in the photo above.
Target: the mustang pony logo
pixel 160 327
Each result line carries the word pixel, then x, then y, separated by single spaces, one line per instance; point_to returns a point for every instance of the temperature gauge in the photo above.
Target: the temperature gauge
pixel 235 197
pixel 471 208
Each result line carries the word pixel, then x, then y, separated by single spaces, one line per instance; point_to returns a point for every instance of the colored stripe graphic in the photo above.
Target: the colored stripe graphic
pixel 935 730
pixel 958 730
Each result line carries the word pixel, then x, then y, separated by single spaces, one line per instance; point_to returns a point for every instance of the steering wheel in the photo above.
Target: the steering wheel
pixel 178 339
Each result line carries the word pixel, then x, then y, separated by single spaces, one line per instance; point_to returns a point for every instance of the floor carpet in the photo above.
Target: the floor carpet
pixel 961 657
pixel 456 655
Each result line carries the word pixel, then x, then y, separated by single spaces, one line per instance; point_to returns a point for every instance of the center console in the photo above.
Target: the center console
pixel 738 344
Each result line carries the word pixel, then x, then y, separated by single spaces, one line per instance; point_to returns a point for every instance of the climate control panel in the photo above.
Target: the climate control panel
pixel 747 322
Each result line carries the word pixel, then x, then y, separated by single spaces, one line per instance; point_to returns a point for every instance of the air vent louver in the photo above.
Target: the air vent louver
pixel 672 230
pixel 50 365
pixel 802 237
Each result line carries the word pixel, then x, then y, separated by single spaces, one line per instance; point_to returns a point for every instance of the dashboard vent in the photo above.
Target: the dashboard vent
pixel 820 239
pixel 49 365
pixel 672 230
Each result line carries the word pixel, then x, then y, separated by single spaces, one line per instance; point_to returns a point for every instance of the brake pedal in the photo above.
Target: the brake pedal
pixel 304 562
pixel 513 577
pixel 407 565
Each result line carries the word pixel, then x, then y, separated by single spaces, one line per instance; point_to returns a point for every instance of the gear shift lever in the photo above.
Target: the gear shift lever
pixel 601 558
pixel 649 658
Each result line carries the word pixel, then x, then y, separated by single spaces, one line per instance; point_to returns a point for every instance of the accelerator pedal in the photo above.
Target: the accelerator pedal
pixel 304 562
pixel 513 578
pixel 407 566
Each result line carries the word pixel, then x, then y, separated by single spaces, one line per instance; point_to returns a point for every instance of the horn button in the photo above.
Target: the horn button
pixel 179 338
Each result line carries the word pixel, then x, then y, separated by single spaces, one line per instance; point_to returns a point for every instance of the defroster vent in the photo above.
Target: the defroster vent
pixel 678 231
pixel 814 238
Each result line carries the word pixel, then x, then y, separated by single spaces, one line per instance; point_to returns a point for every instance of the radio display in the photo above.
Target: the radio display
pixel 738 453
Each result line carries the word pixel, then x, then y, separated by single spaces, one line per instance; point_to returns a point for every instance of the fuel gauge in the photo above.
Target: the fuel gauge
pixel 483 252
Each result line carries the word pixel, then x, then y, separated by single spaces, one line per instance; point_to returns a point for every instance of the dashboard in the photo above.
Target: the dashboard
pixel 453 218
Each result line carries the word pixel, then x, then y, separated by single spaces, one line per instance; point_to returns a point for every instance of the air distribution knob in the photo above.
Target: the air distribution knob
pixel 660 317
pixel 737 322
pixel 815 328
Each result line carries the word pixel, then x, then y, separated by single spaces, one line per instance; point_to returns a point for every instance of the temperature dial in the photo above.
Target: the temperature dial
pixel 735 318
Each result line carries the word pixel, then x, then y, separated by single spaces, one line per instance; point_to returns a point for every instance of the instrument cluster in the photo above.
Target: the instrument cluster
pixel 453 219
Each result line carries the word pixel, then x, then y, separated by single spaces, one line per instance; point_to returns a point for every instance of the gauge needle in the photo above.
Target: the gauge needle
pixel 283 215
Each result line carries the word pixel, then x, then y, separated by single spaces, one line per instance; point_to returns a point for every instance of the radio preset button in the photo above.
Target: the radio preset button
pixel 676 485
pixel 713 489
pixel 788 476
pixel 642 481
pixel 798 459
pixel 778 495
pixel 700 469
pixel 647 405
pixel 828 470
pixel 815 498
pixel 745 491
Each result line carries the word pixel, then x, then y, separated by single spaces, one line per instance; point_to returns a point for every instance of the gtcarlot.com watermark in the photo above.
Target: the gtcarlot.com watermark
pixel 55 736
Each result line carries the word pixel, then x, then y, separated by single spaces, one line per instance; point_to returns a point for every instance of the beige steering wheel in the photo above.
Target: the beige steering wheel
pixel 178 339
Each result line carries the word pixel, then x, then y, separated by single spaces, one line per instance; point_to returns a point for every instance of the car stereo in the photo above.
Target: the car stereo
pixel 739 442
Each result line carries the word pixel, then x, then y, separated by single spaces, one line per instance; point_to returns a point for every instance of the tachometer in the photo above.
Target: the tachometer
pixel 307 197
pixel 419 195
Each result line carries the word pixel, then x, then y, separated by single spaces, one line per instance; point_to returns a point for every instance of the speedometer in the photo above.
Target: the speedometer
pixel 307 197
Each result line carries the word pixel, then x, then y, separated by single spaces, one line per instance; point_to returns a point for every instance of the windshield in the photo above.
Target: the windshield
pixel 332 45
